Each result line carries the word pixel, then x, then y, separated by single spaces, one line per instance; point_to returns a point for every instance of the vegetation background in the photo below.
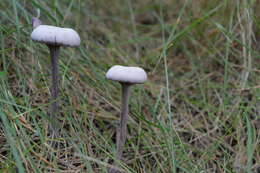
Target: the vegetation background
pixel 199 111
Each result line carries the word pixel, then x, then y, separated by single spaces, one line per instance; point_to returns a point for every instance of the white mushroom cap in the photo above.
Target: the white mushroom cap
pixel 126 74
pixel 53 35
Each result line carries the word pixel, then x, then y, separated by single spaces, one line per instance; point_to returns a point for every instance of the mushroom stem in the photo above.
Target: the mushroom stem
pixel 54 51
pixel 122 129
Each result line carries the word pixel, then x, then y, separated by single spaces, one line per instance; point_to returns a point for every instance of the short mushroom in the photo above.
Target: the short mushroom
pixel 54 37
pixel 126 76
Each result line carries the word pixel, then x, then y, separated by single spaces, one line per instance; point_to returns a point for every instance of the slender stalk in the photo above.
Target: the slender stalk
pixel 54 51
pixel 122 128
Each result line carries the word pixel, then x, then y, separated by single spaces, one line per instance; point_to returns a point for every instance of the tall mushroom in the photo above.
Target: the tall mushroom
pixel 127 76
pixel 54 37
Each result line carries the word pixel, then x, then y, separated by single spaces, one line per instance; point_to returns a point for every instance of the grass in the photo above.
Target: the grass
pixel 199 111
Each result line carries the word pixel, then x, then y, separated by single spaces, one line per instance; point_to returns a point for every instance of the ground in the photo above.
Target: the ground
pixel 199 110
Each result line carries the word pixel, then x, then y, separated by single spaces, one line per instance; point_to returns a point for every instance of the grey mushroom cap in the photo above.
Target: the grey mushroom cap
pixel 57 36
pixel 124 74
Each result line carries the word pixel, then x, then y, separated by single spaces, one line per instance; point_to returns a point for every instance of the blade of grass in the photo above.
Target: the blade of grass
pixel 250 144
pixel 10 133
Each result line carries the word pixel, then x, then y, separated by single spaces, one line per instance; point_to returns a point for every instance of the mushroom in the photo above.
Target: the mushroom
pixel 54 37
pixel 126 76
pixel 36 22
